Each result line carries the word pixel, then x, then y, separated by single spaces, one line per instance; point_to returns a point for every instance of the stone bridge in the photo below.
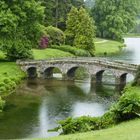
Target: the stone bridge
pixel 95 67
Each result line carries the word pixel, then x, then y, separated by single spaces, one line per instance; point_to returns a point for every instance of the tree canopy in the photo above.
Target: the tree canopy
pixel 114 17
pixel 21 25
pixel 56 11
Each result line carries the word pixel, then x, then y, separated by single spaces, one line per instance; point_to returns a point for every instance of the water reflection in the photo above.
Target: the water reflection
pixel 94 109
pixel 39 104
pixel 131 52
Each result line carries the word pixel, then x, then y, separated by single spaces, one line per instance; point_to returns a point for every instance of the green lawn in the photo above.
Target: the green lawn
pixel 125 131
pixel 103 46
pixel 132 35
pixel 50 53
pixel 99 39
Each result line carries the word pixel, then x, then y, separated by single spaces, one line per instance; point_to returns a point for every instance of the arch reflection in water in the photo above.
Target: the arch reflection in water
pixel 52 72
pixel 32 72
pixel 51 101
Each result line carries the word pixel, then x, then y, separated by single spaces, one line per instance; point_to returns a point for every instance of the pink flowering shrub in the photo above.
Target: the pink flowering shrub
pixel 43 43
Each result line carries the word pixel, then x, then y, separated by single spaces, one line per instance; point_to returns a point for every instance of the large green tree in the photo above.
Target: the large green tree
pixel 80 29
pixel 21 25
pixel 114 17
pixel 56 11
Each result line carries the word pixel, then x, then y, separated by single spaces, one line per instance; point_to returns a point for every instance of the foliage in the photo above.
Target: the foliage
pixel 18 50
pixel 125 131
pixel 71 25
pixel 21 25
pixel 81 124
pixel 10 75
pixel 113 18
pixel 128 107
pixel 80 30
pixel 55 35
pixel 56 11
pixel 2 103
pixel 72 50
pixel 43 43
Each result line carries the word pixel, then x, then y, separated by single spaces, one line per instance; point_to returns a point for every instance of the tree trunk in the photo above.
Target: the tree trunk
pixel 56 14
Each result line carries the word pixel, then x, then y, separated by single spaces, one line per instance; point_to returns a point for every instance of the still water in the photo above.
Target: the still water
pixel 38 104
pixel 131 53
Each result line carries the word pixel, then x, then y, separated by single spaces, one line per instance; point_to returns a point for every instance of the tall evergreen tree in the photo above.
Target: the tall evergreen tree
pixel 81 29
pixel 71 25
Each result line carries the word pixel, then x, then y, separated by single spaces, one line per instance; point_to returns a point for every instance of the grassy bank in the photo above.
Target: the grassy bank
pixel 10 75
pixel 125 131
pixel 107 47
pixel 133 35
pixel 50 53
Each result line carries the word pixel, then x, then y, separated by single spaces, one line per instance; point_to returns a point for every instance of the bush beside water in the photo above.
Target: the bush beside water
pixel 8 84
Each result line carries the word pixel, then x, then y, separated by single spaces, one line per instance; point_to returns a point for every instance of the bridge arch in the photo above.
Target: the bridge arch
pixel 104 75
pixel 49 71
pixel 99 75
pixel 126 77
pixel 72 71
pixel 123 78
pixel 31 72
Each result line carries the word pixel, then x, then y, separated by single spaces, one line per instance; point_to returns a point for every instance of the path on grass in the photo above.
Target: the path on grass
pixel 103 41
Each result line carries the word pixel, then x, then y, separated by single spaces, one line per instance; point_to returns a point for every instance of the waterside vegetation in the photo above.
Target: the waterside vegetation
pixel 125 131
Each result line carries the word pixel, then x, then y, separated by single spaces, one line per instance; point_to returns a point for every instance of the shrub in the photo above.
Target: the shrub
pixel 43 43
pixel 55 35
pixel 128 106
pixel 73 50
pixel 2 87
pixel 80 124
pixel 7 85
pixel 19 49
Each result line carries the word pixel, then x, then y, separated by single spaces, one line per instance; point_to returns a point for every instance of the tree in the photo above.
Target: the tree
pixel 81 29
pixel 21 25
pixel 56 11
pixel 71 25
pixel 55 35
pixel 114 17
